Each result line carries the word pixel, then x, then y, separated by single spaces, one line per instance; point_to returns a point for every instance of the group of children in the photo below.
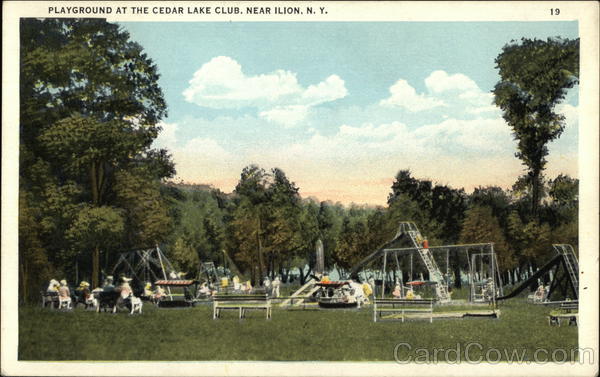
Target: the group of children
pixel 84 295
pixel 62 291
pixel 272 287
pixel 410 293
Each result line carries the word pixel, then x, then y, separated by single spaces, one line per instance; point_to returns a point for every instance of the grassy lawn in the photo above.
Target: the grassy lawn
pixel 294 335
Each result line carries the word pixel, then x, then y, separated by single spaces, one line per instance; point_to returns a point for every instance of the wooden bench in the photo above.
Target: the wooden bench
pixel 401 306
pixel 49 297
pixel 242 303
pixel 568 310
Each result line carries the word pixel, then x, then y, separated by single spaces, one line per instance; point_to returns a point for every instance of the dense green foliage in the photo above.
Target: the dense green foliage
pixel 89 180
pixel 191 334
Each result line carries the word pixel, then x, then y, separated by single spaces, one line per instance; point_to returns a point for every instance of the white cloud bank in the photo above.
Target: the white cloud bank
pixel 443 91
pixel 221 84
pixel 461 139
pixel 404 95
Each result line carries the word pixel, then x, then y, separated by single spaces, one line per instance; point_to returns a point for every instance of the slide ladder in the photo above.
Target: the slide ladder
pixel 303 293
pixel 434 272
pixel 571 264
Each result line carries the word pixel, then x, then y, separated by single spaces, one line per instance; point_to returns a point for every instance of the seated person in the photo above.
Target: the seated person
pixel 204 290
pixel 53 287
pixel 125 288
pixel 349 297
pixel 410 295
pixel 396 293
pixel 84 291
pixel 224 282
pixel 64 294
pixel 64 290
pixel 159 293
pixel 108 284
pixel 248 287
pixel 236 284
pixel 148 290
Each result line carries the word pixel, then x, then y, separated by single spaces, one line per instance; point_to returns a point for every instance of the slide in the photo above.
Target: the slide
pixel 533 278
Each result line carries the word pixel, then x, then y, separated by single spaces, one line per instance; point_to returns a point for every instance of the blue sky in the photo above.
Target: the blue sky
pixel 341 107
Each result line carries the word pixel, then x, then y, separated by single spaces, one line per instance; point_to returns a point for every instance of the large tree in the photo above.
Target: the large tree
pixel 534 77
pixel 90 107
pixel 88 66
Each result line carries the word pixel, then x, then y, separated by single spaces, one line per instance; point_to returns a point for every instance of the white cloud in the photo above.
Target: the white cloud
pixel 287 115
pixel 440 82
pixel 404 95
pixel 446 93
pixel 221 84
pixel 329 90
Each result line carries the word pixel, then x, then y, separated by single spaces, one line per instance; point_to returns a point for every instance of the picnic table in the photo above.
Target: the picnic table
pixel 568 310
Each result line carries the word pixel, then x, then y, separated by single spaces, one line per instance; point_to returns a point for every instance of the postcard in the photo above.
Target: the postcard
pixel 300 188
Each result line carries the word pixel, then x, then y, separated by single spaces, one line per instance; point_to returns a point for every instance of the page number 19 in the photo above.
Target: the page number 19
pixel 554 11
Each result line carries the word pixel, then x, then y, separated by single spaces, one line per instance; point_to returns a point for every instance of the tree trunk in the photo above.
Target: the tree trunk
pixel 24 281
pixel 261 263
pixel 456 270
pixel 95 266
pixel 535 192
pixel 283 272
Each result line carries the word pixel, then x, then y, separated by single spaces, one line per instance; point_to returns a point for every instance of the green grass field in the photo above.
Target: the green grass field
pixel 294 335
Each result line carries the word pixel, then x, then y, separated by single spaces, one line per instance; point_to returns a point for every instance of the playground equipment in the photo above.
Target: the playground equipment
pixel 187 297
pixel 305 292
pixel 335 294
pixel 209 272
pixel 565 268
pixel 310 288
pixel 320 258
pixel 485 278
pixel 145 265
pixel 482 266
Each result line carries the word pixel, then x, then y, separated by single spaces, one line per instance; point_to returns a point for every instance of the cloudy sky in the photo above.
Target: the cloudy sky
pixel 341 107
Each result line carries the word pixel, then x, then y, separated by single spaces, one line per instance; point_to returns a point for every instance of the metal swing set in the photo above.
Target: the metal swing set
pixel 484 277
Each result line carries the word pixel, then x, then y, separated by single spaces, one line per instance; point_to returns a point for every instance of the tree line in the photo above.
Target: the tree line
pixel 267 229
pixel 91 185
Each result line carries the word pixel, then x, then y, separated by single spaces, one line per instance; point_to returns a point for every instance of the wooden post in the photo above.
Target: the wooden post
pixel 384 274
pixel 163 270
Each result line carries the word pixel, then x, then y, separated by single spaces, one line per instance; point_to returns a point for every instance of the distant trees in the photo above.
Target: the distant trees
pixel 481 226
pixel 534 78
pixel 265 219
